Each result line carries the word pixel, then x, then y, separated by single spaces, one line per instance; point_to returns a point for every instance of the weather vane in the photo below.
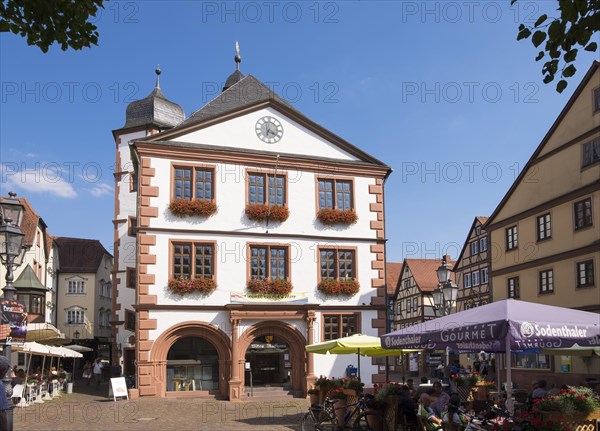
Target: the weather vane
pixel 238 58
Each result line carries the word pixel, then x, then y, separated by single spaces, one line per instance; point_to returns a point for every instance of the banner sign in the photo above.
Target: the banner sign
pixel 13 322
pixel 244 297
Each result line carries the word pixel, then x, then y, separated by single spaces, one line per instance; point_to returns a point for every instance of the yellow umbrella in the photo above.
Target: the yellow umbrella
pixel 365 345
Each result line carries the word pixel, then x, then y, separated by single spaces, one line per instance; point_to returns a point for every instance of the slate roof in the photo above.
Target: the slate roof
pixel 424 272
pixel 154 109
pixel 392 276
pixel 80 255
pixel 245 92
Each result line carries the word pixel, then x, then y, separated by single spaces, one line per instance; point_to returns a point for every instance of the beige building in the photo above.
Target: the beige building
pixel 545 233
pixel 85 293
pixel 472 268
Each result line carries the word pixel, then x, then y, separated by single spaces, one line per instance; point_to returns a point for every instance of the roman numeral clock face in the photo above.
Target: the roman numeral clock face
pixel 269 130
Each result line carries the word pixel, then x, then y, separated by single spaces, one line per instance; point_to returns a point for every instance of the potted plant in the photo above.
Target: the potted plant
pixel 260 212
pixel 376 408
pixel 332 217
pixel 194 207
pixel 337 392
pixel 333 287
pixel 577 403
pixel 322 384
pixel 182 285
pixel 352 386
pixel 389 394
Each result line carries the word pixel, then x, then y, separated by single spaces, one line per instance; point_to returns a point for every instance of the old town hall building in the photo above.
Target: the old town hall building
pixel 242 233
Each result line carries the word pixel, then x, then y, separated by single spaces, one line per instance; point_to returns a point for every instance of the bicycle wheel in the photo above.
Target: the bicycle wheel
pixel 317 420
pixel 370 422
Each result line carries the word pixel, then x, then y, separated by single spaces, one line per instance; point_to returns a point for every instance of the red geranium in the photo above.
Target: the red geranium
pixel 270 287
pixel 182 286
pixel 339 287
pixel 260 212
pixel 195 207
pixel 330 216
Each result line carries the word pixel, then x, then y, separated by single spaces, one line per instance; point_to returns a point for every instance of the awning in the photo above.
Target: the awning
pixel 78 348
pixel 44 350
pixel 45 333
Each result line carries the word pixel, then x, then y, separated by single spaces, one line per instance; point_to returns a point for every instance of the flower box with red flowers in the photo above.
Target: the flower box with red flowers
pixel 332 217
pixel 195 207
pixel 270 288
pixel 261 212
pixel 334 287
pixel 183 286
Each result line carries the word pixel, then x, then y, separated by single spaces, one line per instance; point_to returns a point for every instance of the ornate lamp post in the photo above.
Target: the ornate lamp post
pixel 12 253
pixel 444 297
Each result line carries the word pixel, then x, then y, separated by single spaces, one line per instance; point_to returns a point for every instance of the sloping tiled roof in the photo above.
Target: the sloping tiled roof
pixel 29 222
pixel 424 272
pixel 481 220
pixel 392 276
pixel 79 255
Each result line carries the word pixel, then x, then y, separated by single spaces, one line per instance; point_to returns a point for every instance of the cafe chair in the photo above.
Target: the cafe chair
pixel 17 396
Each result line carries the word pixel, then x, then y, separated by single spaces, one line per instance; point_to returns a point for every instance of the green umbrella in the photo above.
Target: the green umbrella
pixel 360 344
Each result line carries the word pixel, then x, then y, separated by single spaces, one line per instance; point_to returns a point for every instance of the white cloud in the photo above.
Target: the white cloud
pixel 39 180
pixel 101 189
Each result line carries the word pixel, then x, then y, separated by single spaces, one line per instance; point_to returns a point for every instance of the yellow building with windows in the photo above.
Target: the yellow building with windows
pixel 545 233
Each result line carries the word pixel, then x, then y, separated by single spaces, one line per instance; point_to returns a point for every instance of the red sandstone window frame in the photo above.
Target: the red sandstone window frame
pixel 129 315
pixel 131 277
pixel 325 335
pixel 334 180
pixel 268 246
pixel 192 244
pixel 193 168
pixel 266 174
pixel 337 250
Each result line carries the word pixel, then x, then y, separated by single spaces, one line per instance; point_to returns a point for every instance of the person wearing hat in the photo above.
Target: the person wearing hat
pixel 4 403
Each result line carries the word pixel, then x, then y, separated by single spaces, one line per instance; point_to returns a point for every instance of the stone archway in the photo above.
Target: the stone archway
pixel 291 336
pixel 162 345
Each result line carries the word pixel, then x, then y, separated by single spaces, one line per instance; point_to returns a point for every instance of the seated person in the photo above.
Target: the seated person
pixel 440 399
pixel 453 415
pixel 407 407
pixel 430 420
pixel 539 390
pixel 19 378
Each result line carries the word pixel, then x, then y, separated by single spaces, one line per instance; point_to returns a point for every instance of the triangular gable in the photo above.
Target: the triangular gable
pixel 477 219
pixel 237 101
pixel 542 146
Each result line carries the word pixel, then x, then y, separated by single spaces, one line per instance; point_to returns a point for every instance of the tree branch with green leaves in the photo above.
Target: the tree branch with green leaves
pixel 44 22
pixel 564 36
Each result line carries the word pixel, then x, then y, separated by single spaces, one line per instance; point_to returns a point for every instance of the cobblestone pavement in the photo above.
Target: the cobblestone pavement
pixel 88 409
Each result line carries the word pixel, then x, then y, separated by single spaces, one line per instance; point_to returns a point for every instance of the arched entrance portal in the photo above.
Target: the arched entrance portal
pixel 192 365
pixel 268 363
pixel 174 350
pixel 287 340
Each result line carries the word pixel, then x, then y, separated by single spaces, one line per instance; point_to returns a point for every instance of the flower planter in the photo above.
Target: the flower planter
pixel 391 412
pixel 574 418
pixel 195 207
pixel 464 392
pixel 375 419
pixel 350 392
pixel 262 212
pixel 332 217
pixel 272 288
pixel 134 394
pixel 183 286
pixel 340 411
pixel 339 287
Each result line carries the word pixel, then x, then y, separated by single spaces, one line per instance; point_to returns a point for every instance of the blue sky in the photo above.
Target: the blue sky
pixel 440 91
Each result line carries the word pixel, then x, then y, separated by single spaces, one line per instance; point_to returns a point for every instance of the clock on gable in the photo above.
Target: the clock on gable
pixel 269 129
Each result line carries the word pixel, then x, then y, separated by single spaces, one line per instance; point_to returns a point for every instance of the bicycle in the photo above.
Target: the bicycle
pixel 322 417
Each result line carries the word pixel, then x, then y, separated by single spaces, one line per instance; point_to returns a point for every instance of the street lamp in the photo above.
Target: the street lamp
pixel 76 334
pixel 12 254
pixel 444 297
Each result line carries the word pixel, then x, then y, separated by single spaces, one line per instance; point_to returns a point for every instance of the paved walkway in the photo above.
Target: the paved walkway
pixel 88 409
